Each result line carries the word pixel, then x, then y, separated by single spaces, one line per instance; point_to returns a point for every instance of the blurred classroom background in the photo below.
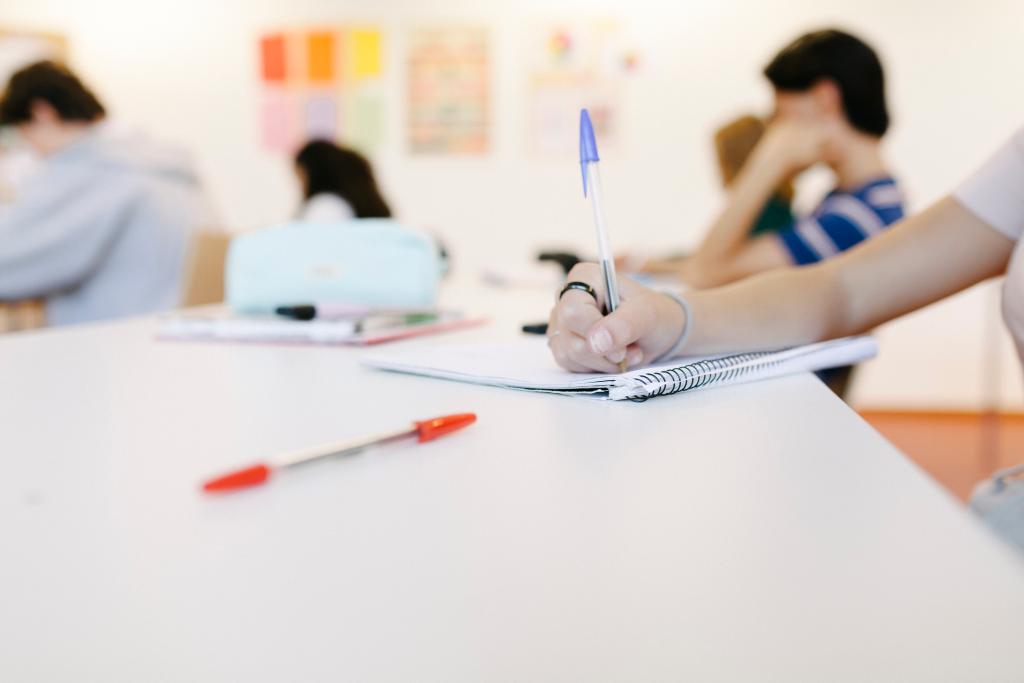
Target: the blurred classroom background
pixel 240 84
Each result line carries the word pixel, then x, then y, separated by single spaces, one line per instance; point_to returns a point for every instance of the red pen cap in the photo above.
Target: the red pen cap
pixel 250 476
pixel 439 426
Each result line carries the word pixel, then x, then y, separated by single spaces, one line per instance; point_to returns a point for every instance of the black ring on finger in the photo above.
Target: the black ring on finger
pixel 581 286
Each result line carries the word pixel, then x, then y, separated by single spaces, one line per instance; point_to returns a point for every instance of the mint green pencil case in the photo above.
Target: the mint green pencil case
pixel 370 261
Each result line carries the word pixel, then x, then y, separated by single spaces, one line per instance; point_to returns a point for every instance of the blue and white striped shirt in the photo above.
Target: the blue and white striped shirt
pixel 843 219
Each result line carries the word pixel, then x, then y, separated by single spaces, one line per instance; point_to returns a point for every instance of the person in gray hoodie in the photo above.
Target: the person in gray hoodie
pixel 102 228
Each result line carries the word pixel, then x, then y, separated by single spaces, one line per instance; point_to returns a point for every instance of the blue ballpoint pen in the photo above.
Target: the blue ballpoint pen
pixel 592 186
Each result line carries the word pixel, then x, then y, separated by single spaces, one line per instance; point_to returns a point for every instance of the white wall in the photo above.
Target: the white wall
pixel 187 71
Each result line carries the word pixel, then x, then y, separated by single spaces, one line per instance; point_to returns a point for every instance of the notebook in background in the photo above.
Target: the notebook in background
pixel 527 365
pixel 226 327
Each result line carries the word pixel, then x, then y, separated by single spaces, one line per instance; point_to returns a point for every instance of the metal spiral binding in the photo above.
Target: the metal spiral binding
pixel 702 373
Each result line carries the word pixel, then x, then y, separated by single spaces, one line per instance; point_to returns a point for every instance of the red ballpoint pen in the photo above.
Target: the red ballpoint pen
pixel 424 430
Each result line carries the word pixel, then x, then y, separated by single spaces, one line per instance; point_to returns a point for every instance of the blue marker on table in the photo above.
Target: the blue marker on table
pixel 592 187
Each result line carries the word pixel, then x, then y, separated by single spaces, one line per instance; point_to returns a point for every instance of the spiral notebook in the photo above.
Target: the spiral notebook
pixel 527 365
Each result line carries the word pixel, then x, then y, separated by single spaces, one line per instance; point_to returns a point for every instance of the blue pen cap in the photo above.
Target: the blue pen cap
pixel 588 145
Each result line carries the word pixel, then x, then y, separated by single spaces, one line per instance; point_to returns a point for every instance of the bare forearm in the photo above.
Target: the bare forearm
pixel 773 310
pixel 756 255
pixel 747 197
pixel 921 260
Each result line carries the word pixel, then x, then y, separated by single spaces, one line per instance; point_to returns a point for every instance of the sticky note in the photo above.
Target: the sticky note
pixel 366 53
pixel 272 58
pixel 364 127
pixel 320 56
pixel 276 122
pixel 321 118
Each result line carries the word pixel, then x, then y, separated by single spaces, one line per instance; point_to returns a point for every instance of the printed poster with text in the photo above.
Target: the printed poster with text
pixel 574 64
pixel 448 91
pixel 323 83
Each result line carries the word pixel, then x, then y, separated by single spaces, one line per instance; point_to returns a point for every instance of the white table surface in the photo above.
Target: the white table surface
pixel 754 533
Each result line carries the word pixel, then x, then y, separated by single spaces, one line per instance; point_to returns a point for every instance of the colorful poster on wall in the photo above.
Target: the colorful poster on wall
pixel 448 91
pixel 575 64
pixel 323 83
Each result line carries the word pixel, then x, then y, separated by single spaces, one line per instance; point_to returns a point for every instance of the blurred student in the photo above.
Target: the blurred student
pixel 337 184
pixel 734 142
pixel 102 227
pixel 830 109
pixel 970 236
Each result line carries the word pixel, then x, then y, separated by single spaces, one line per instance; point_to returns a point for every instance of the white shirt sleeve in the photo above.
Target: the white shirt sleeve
pixel 995 192
pixel 326 208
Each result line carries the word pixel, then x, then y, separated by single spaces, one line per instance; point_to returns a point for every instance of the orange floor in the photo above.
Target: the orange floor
pixel 958 449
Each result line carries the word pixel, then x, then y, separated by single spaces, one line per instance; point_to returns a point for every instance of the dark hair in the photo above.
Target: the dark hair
pixel 342 172
pixel 734 142
pixel 843 59
pixel 54 84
